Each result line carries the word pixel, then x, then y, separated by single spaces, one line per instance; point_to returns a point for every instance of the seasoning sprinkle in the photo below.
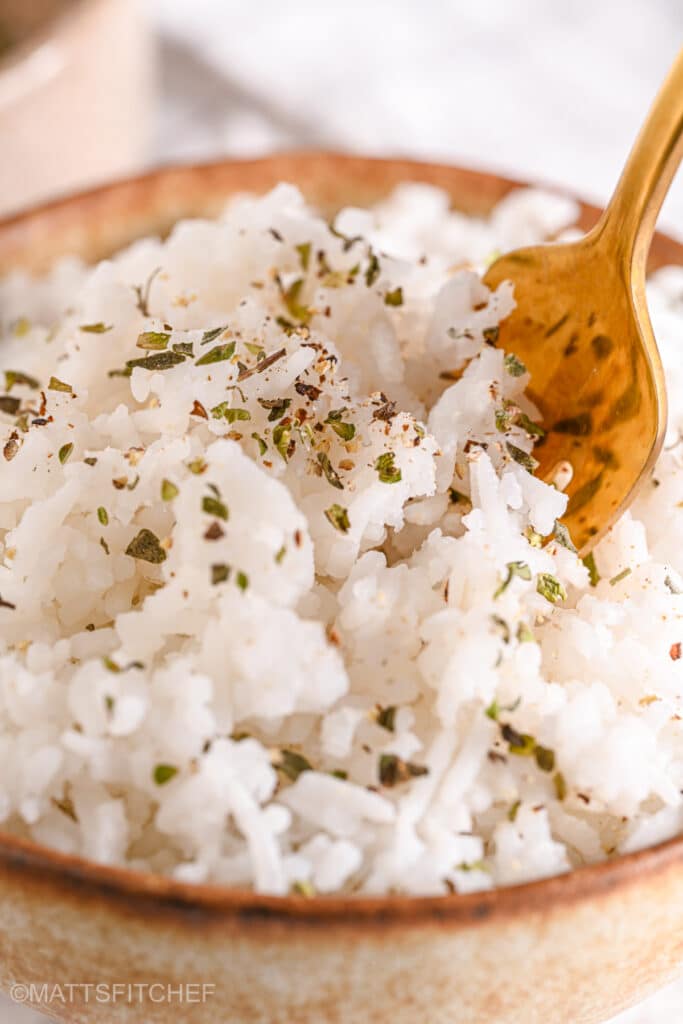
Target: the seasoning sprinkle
pixel 394 770
pixel 64 452
pixel 214 507
pixel 338 516
pixel 146 547
pixel 593 574
pixel 13 377
pixel 58 385
pixel 524 459
pixel 103 515
pixel 169 491
pixel 219 354
pixel 387 471
pixel 292 764
pixel 514 366
pixel 330 472
pixel 520 569
pixel 163 773
pixel 98 328
pixel 157 361
pixel 550 588
pixel 220 573
pixel 211 335
pixel 153 341
pixel 394 298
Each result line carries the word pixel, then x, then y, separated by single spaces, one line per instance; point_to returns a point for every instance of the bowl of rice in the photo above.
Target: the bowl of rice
pixel 307 698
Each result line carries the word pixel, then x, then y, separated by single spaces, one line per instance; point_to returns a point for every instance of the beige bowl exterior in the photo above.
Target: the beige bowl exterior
pixel 570 950
pixel 75 100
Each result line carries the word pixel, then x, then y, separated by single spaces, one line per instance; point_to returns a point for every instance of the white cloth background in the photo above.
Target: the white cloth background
pixel 550 90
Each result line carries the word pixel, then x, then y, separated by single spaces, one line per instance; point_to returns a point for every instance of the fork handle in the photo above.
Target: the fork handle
pixel 652 163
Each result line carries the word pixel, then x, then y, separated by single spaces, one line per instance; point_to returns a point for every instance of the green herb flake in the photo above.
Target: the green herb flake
pixel 280 554
pixel 514 366
pixel 593 574
pixel 64 452
pixel 560 785
pixel 292 764
pixel 373 270
pixel 13 377
pixel 211 335
pixel 226 412
pixel 524 634
pixel 242 580
pixel 346 431
pixel 277 407
pixel 220 573
pixel 153 341
pixel 472 865
pixel 9 404
pixel 386 718
pixel 255 349
pixel 503 420
pixel 90 460
pixel 394 298
pixel 146 547
pixel 528 425
pixel 330 472
pixel 550 588
pixel 304 250
pixel 59 385
pixel 263 447
pixel 157 361
pixel 303 888
pixel 524 459
pixel 219 354
pixel 519 743
pixel 386 470
pixel 282 439
pixel 520 569
pixel 493 710
pixel 163 773
pixel 98 328
pixel 66 806
pixel 109 703
pixel 214 507
pixel 338 517
pixel 197 466
pixel 111 665
pixel 169 491
pixel 620 576
pixel 563 537
pixel 104 545
pixel 514 808
pixel 394 770
pixel 103 515
pixel 291 299
pixel 545 758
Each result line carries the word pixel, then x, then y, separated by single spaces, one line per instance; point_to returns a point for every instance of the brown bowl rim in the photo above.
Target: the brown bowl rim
pixel 586 882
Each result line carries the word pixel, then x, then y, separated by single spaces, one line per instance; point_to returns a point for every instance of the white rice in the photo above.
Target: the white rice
pixel 294 700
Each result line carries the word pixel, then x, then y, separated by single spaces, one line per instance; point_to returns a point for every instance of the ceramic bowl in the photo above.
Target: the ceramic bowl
pixel 569 950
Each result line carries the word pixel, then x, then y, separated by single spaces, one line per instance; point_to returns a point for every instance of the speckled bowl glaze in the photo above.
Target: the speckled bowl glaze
pixel 568 950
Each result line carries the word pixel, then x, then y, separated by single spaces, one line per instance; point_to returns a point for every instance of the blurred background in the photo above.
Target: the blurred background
pixel 91 89
pixel 543 90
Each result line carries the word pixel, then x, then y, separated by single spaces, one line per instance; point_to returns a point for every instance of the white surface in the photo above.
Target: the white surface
pixel 539 89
